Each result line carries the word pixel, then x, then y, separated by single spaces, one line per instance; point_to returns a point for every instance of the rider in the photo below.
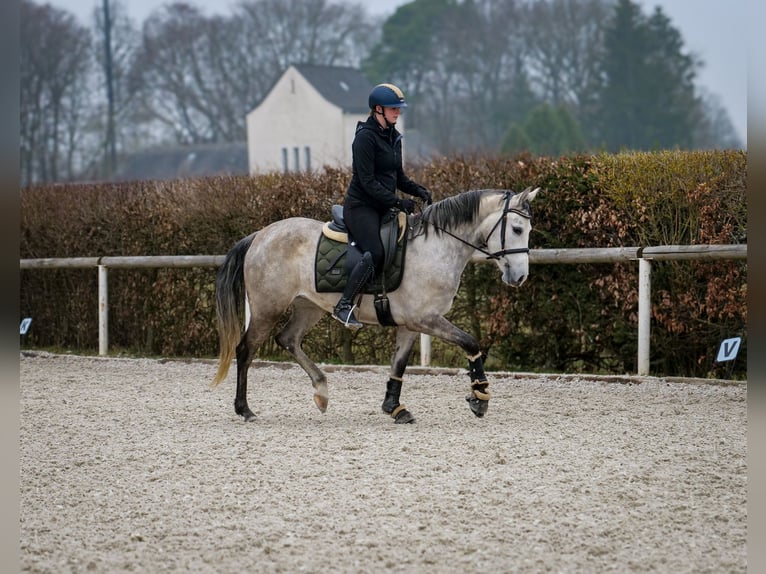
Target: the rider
pixel 377 173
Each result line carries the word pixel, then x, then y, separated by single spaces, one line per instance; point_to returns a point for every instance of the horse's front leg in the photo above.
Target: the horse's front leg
pixel 478 397
pixel 405 339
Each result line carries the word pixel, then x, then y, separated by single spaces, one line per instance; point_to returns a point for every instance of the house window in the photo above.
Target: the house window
pixel 307 157
pixel 285 167
pixel 297 158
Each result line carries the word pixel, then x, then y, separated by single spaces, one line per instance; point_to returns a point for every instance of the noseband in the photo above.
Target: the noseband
pixel 501 222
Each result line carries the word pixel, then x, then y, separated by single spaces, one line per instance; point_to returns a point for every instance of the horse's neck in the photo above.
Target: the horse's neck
pixel 452 250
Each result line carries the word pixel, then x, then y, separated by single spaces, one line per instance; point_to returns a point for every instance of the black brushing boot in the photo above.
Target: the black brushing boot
pixel 391 403
pixel 478 398
pixel 393 391
pixel 344 310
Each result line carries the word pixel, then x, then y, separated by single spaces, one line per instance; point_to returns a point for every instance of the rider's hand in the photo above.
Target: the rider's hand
pixel 425 195
pixel 406 205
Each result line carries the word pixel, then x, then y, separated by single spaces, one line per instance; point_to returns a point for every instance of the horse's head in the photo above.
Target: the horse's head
pixel 506 227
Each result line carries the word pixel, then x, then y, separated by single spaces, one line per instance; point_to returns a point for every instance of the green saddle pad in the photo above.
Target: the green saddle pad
pixel 330 274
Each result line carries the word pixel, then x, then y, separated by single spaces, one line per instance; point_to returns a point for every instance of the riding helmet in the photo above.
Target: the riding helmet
pixel 388 96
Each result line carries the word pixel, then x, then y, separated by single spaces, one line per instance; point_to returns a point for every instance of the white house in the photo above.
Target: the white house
pixel 307 119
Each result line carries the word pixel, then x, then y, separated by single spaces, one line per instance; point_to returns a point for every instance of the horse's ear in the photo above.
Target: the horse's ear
pixel 530 195
pixel 527 195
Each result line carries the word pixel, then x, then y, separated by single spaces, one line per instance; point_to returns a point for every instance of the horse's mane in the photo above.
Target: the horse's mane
pixel 452 211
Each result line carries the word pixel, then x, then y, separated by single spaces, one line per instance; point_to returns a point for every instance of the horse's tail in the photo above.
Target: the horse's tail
pixel 230 304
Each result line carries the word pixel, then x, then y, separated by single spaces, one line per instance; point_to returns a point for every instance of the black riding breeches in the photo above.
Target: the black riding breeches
pixel 363 223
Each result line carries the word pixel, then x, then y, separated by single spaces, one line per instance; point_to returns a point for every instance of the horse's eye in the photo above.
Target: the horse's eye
pixel 517 230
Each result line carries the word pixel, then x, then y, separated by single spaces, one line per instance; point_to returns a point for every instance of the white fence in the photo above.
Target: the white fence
pixel 644 256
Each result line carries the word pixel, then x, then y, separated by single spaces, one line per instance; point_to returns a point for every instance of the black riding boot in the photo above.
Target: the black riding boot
pixel 344 310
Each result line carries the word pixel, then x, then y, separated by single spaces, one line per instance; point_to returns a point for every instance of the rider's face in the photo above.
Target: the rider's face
pixel 392 114
pixel 389 115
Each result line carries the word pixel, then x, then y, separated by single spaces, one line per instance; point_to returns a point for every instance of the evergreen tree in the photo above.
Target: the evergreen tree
pixel 521 97
pixel 407 47
pixel 647 99
pixel 675 105
pixel 516 141
pixel 548 130
pixel 570 136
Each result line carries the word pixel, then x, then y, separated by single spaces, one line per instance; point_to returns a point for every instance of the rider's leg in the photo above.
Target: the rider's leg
pixel 363 222
pixel 344 310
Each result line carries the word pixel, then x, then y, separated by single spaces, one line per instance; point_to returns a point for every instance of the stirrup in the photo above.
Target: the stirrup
pixel 349 321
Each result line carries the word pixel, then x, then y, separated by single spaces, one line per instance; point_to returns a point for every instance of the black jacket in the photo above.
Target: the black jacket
pixel 377 166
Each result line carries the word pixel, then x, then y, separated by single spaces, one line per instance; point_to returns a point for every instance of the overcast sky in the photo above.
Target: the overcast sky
pixel 713 30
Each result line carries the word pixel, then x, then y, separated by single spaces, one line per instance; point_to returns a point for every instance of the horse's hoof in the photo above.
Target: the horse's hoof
pixel 402 416
pixel 248 416
pixel 321 402
pixel 478 406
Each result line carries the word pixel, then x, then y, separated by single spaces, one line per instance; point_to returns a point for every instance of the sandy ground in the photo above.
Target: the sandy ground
pixel 134 465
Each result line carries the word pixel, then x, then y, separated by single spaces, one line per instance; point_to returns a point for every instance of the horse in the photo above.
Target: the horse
pixel 273 270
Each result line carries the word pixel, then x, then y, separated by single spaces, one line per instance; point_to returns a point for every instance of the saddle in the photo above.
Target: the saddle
pixel 337 254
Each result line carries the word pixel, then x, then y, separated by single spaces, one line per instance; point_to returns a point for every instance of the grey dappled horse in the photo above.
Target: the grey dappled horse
pixel 275 268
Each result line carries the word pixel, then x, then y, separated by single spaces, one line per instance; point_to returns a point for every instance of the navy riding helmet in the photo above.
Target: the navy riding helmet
pixel 388 96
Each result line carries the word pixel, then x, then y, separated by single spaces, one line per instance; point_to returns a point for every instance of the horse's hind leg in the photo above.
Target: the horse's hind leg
pixel 405 339
pixel 244 359
pixel 256 333
pixel 304 316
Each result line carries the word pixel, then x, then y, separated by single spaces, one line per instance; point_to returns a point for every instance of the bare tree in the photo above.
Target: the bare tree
pixel 284 32
pixel 563 38
pixel 199 76
pixel 170 72
pixel 112 75
pixel 54 67
pixel 715 130
pixel 111 143
pixel 481 44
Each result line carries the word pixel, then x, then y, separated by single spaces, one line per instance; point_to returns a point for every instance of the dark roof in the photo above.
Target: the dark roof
pixel 186 161
pixel 345 87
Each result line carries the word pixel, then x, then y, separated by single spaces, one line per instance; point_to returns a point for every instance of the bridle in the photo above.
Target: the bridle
pixel 506 210
pixel 502 223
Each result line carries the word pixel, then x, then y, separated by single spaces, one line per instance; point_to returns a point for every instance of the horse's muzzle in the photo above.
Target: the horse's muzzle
pixel 513 278
pixel 515 282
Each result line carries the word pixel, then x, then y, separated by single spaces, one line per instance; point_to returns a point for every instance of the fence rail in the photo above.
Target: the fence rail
pixel 644 256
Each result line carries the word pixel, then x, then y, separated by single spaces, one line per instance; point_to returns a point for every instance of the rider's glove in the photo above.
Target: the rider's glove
pixel 425 195
pixel 406 205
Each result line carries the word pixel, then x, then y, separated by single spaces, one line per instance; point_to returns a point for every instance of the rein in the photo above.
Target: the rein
pixel 503 251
